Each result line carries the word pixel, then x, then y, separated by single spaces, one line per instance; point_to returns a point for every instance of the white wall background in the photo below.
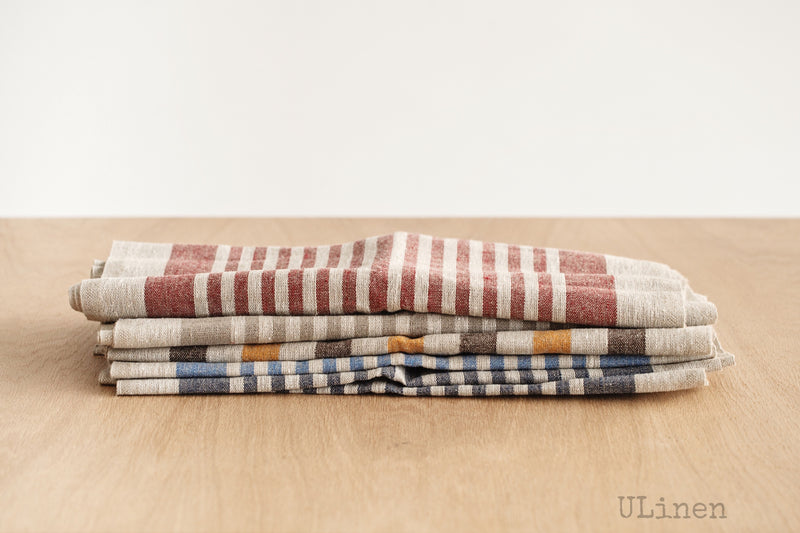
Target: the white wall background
pixel 418 107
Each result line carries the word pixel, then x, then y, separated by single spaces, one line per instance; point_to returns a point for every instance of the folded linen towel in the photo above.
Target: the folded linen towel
pixel 620 384
pixel 492 368
pixel 387 274
pixel 690 341
pixel 401 314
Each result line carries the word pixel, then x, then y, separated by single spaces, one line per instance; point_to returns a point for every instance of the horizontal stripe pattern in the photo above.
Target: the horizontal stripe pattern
pixel 695 341
pixel 488 365
pixel 613 384
pixel 401 314
pixel 390 273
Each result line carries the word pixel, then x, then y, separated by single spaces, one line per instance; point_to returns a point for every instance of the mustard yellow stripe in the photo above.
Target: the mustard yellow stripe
pixel 399 343
pixel 555 341
pixel 261 352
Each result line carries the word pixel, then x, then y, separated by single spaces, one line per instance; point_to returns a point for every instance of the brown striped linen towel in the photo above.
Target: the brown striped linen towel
pixel 400 314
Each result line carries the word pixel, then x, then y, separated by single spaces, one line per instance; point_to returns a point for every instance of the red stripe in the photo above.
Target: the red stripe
pixel 490 294
pixel 259 254
pixel 348 291
pixel 214 294
pixel 488 257
pixel 489 281
pixel 309 257
pixel 591 305
pixel 323 302
pixel 190 259
pixel 462 278
pixel 435 277
pixel 295 292
pixel 517 295
pixel 600 281
pixel 233 258
pixel 583 262
pixel 334 255
pixel 169 296
pixel 358 254
pixel 379 275
pixel 408 278
pixel 240 293
pixel 539 260
pixel 545 313
pixel 268 292
pixel 283 257
pixel 513 258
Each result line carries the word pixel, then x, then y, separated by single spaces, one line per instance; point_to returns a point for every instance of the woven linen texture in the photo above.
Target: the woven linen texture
pixel 404 314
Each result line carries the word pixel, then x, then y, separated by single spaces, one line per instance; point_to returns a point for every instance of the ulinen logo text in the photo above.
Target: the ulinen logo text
pixel 661 510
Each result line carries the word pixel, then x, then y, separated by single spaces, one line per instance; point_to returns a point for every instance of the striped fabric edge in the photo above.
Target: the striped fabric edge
pixel 691 341
pixel 591 299
pixel 160 332
pixel 131 258
pixel 411 363
pixel 624 384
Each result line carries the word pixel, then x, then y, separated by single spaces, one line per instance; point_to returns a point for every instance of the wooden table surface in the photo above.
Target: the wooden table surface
pixel 74 457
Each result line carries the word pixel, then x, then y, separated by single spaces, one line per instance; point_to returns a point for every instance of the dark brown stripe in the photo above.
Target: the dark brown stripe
pixel 626 342
pixel 478 343
pixel 333 348
pixel 188 354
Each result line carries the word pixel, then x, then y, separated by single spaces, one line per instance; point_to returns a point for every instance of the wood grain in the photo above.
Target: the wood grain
pixel 74 457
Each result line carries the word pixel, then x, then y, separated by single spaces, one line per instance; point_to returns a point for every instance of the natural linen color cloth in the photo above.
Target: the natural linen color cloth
pixel 480 315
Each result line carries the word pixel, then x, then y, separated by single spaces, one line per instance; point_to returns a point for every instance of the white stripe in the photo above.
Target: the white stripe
pixel 254 292
pixel 201 295
pixel 282 292
pixel 476 277
pixel 348 326
pixel 320 327
pixel 221 259
pixel 335 301
pixel 321 259
pixel 531 305
pixel 399 244
pixel 293 326
pixel 503 289
pixel 271 257
pixel 237 385
pixel 551 258
pixel 346 255
pixel 246 261
pixel 296 257
pixel 421 274
pixel 238 329
pixel 370 250
pixel 227 294
pixel 450 257
pixel 362 275
pixel 310 291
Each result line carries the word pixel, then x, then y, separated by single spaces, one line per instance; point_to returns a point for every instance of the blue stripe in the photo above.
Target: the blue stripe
pixel 550 362
pixel 413 360
pixel 329 365
pixel 497 362
pixel 357 363
pixel 197 370
pixel 301 367
pixel 470 362
pixel 247 369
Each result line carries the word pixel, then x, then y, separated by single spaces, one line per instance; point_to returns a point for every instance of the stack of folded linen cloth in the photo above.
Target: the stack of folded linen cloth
pixel 401 314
